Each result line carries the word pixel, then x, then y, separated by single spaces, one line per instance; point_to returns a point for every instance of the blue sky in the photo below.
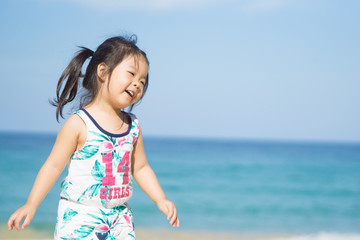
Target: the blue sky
pixel 252 69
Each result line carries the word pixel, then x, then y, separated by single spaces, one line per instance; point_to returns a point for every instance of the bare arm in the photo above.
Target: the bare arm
pixel 146 179
pixel 64 146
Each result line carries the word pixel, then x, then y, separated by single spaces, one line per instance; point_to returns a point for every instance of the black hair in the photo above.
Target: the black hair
pixel 111 52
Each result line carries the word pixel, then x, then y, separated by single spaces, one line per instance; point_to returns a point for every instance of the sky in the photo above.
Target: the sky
pixel 285 70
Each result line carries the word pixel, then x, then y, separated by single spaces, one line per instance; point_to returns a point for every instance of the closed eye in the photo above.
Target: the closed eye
pixel 143 83
pixel 132 73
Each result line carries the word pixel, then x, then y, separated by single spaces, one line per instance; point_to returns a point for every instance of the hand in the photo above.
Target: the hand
pixel 169 209
pixel 26 212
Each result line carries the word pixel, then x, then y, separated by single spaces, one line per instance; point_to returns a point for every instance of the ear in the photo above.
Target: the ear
pixel 102 71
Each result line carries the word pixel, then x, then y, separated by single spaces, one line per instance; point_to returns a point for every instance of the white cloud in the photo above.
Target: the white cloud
pixel 145 4
pixel 254 6
pixel 245 6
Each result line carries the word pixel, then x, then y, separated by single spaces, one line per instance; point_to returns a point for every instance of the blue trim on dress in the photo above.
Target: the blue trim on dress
pixel 106 132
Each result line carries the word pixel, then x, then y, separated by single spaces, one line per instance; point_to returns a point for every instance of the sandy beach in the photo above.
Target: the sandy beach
pixel 179 234
pixel 151 234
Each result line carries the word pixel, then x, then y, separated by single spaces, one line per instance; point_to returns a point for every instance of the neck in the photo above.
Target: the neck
pixel 104 107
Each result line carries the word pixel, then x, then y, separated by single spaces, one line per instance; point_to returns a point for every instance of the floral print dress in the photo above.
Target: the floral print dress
pixel 98 185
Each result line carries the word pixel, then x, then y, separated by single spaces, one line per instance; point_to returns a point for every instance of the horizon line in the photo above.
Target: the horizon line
pixel 213 138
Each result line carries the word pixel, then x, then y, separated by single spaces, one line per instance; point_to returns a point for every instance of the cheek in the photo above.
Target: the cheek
pixel 138 96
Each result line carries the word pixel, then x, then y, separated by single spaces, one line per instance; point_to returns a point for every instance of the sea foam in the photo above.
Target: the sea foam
pixel 325 236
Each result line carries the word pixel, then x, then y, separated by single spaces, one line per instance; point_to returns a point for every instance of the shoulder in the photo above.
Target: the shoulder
pixel 74 125
pixel 67 139
pixel 75 121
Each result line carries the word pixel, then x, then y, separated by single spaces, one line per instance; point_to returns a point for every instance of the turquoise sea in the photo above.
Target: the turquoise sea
pixel 219 185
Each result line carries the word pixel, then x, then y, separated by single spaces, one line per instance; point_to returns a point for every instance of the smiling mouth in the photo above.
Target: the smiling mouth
pixel 130 93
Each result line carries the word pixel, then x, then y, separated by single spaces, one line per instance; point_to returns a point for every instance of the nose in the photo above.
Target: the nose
pixel 136 83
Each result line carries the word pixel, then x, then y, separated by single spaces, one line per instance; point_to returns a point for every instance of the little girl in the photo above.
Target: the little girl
pixel 103 146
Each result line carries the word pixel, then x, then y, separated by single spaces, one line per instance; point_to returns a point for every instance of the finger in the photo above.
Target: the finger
pixel 175 224
pixel 178 222
pixel 11 221
pixel 173 219
pixel 18 220
pixel 26 222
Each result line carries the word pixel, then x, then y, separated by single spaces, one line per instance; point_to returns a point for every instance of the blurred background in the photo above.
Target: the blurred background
pixel 251 120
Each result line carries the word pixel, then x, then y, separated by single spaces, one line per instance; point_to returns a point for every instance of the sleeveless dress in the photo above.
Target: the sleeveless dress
pixel 99 182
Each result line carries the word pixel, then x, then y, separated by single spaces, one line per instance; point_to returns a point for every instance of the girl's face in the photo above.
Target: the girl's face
pixel 127 82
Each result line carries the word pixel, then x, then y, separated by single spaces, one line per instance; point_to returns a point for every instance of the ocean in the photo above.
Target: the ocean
pixel 243 186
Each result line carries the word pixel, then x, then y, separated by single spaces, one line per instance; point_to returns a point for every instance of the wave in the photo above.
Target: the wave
pixel 324 236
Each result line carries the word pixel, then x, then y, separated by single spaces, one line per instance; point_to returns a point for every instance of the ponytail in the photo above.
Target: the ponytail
pixel 72 73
